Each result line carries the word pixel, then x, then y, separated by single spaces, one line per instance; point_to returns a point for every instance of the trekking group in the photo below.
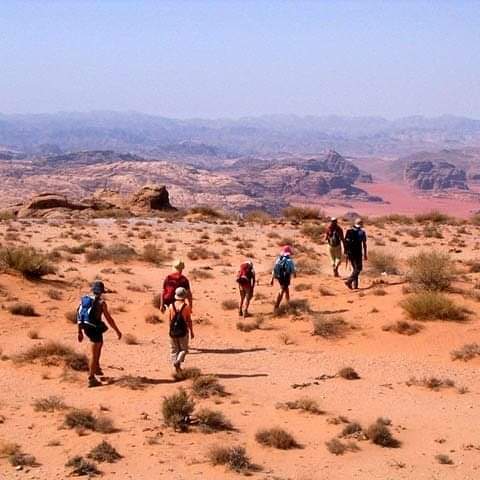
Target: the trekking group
pixel 177 300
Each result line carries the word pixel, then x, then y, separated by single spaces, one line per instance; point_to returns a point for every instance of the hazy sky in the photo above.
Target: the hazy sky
pixel 206 58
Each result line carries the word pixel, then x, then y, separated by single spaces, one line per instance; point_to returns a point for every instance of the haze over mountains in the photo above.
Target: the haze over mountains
pixel 147 134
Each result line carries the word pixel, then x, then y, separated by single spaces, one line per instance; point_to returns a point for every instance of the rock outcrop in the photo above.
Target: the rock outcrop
pixel 152 198
pixel 427 175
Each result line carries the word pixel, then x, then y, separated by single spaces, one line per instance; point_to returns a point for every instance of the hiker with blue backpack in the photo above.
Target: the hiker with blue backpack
pixel 90 323
pixel 356 252
pixel 180 327
pixel 283 271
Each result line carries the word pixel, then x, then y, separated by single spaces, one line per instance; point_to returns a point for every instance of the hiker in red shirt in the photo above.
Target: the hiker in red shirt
pixel 171 283
pixel 246 285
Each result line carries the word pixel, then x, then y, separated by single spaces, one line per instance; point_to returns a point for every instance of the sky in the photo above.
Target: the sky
pixel 231 58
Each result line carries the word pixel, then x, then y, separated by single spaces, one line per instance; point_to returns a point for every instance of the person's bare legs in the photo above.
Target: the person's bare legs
pixel 248 297
pixel 287 295
pixel 242 299
pixel 95 363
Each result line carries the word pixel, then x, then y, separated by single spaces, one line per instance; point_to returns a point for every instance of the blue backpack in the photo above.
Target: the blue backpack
pixel 283 268
pixel 84 312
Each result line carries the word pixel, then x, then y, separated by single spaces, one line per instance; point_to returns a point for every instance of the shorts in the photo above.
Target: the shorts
pixel 284 283
pixel 246 288
pixel 94 334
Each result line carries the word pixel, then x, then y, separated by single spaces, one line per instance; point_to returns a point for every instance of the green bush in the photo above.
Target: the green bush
pixel 26 260
pixel 431 270
pixel 432 306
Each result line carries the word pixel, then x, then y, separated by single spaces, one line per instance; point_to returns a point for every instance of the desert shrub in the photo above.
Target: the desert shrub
pixel 302 213
pixel 380 434
pixel 335 446
pixel 234 457
pixel 382 262
pixel 277 438
pixel 432 383
pixel 50 351
pixel 206 211
pixel 153 319
pixel 467 352
pixel 6 216
pixel 212 421
pixel 432 306
pixel 177 409
pixel 104 452
pixel 443 459
pixel 200 274
pixel 26 260
pixel 54 294
pixel 348 373
pixel 431 231
pixel 296 307
pixel 329 327
pixel 82 468
pixel 21 459
pixel 117 253
pixel 315 232
pixel 187 374
pixel 431 270
pixel 205 386
pixel 200 253
pixel 23 309
pixel 154 254
pixel 435 217
pixel 49 404
pixel 352 429
pixel 308 266
pixel 255 324
pixel 85 419
pixel 403 327
pixel 304 404
pixel 258 216
pixel 229 304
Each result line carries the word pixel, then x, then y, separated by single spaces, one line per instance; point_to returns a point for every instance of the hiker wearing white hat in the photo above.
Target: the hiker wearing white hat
pixel 335 239
pixel 356 251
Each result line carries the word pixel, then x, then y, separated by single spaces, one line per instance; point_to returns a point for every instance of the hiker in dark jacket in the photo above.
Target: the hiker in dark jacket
pixel 356 251
pixel 283 271
pixel 95 329
pixel 335 239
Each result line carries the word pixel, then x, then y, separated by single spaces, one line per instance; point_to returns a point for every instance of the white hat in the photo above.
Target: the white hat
pixel 180 293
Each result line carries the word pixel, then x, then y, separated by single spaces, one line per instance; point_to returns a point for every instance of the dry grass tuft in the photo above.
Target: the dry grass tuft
pixel 85 419
pixel 431 305
pixel 205 386
pixel 304 404
pixel 336 447
pixel 49 404
pixel 234 458
pixel 26 260
pixel 403 327
pixel 117 253
pixel 329 327
pixel 431 270
pixel 467 352
pixel 348 373
pixel 230 304
pixel 212 421
pixel 153 319
pixel 23 309
pixel 302 213
pixel 276 437
pixel 188 374
pixel 177 409
pixel 154 254
pixel 295 307
pixel 379 434
pixel 82 468
pixel 382 262
pixel 104 452
pixel 255 324
pixel 443 459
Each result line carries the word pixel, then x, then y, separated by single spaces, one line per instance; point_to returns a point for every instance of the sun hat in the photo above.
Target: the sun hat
pixel 287 250
pixel 358 222
pixel 333 219
pixel 180 293
pixel 178 264
pixel 98 287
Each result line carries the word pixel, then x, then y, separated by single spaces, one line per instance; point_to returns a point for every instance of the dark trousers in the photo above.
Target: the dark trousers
pixel 357 265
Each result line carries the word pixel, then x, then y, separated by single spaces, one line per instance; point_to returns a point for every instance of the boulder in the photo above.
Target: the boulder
pixel 152 198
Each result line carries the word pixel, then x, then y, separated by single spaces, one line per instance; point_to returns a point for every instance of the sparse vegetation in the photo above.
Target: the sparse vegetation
pixel 26 260
pixel 315 232
pixel 177 409
pixel 302 213
pixel 295 307
pixel 205 386
pixel 348 373
pixel 234 457
pixel 304 404
pixel 117 253
pixel 467 352
pixel 277 438
pixel 154 254
pixel 104 452
pixel 329 327
pixel 382 262
pixel 188 374
pixel 85 419
pixel 432 383
pixel 229 304
pixel 431 270
pixel 212 421
pixel 336 447
pixel 443 459
pixel 82 468
pixel 380 434
pixel 403 327
pixel 23 309
pixel 49 404
pixel 431 305
pixel 255 324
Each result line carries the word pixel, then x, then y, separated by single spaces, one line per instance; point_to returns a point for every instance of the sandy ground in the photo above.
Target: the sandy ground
pixel 258 369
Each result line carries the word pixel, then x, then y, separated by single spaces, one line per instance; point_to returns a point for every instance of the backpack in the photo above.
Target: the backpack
pixel 171 284
pixel 245 273
pixel 283 268
pixel 334 238
pixel 353 240
pixel 178 325
pixel 86 312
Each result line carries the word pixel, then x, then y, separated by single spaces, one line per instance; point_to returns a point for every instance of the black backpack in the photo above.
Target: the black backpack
pixel 334 239
pixel 178 325
pixel 353 240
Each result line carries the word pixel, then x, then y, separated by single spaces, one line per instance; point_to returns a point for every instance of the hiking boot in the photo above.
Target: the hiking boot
pixel 348 283
pixel 99 372
pixel 335 272
pixel 93 382
pixel 246 314
pixel 240 312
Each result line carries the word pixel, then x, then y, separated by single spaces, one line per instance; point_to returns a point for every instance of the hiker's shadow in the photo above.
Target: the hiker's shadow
pixel 333 312
pixel 225 351
pixel 228 376
pixel 136 382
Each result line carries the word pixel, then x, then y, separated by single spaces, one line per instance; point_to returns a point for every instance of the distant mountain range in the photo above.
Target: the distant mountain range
pixel 155 136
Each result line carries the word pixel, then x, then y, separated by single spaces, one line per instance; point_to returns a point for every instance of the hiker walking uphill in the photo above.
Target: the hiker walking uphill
pixel 246 286
pixel 335 239
pixel 89 320
pixel 180 325
pixel 171 283
pixel 356 251
pixel 283 270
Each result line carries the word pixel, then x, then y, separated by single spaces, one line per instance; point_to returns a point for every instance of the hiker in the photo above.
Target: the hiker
pixel 356 251
pixel 246 285
pixel 180 324
pixel 90 323
pixel 335 239
pixel 283 270
pixel 171 283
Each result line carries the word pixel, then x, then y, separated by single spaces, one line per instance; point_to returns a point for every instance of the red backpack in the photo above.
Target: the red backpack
pixel 245 273
pixel 172 282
